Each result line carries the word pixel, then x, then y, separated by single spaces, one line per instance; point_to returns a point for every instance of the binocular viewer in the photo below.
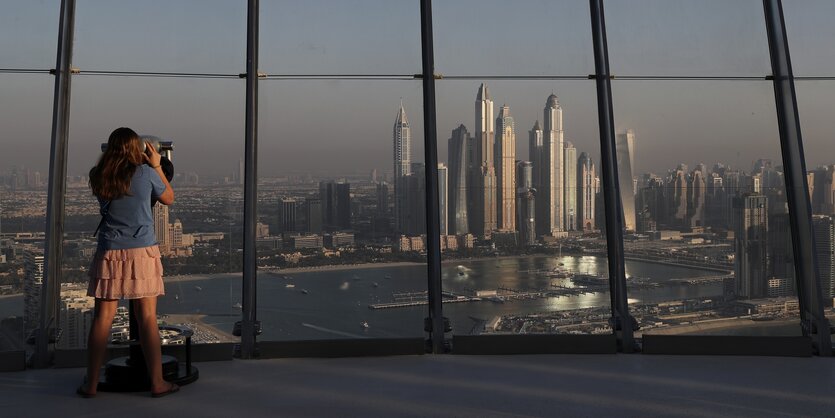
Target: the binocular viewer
pixel 164 148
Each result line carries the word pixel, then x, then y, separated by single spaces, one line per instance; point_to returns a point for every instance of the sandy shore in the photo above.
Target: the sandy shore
pixel 347 267
pixel 200 328
pixel 722 326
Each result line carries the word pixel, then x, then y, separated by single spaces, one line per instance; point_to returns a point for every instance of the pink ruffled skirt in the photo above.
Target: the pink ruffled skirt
pixel 126 274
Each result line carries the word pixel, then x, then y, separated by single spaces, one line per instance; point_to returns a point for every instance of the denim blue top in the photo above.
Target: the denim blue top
pixel 128 220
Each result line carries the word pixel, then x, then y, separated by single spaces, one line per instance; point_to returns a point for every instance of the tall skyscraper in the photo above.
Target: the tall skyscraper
pixel 506 170
pixel 535 143
pixel 696 192
pixel 651 203
pixel 550 193
pixel 443 196
pixel 402 138
pixel 343 205
pixel 414 187
pixel 570 187
pixel 714 200
pixel 823 190
pixel 750 244
pixel 780 256
pixel 525 204
pixel 287 215
pixel 483 214
pixel 382 198
pixel 585 193
pixel 313 215
pixel 32 286
pixel 458 223
pixel 160 212
pixel 678 184
pixel 336 205
pixel 625 148
pixel 824 230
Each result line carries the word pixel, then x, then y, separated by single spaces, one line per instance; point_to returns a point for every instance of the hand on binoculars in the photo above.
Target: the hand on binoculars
pixel 152 157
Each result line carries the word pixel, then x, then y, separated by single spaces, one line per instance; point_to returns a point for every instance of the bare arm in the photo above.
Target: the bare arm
pixel 153 159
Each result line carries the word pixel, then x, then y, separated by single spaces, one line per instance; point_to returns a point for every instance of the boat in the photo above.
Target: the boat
pixel 198 288
pixel 176 296
pixel 289 285
pixel 375 284
pixel 304 291
pixel 364 324
pixel 238 305
pixel 388 277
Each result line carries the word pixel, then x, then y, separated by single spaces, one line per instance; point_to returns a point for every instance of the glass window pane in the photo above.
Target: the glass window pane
pixel 811 36
pixel 200 235
pixel 193 36
pixel 29 33
pixel 26 122
pixel 336 37
pixel 531 37
pixel 816 103
pixel 522 244
pixel 711 226
pixel 331 263
pixel 687 38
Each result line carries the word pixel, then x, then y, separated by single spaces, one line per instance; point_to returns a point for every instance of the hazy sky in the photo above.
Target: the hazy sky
pixel 346 126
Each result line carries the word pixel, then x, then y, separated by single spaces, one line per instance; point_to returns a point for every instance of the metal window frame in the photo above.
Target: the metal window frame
pixel 815 324
pixel 250 266
pixel 622 323
pixel 433 229
pixel 53 254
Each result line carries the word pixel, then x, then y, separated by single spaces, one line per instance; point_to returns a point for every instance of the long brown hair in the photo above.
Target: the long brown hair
pixel 110 178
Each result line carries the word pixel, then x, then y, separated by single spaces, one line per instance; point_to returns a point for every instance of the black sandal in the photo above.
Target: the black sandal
pixel 83 393
pixel 171 389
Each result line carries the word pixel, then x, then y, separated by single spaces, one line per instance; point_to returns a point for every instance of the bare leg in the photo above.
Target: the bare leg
pixel 146 311
pixel 97 340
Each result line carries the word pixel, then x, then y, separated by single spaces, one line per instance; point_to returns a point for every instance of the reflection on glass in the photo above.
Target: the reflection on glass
pixel 704 203
pixel 811 36
pixel 25 119
pixel 687 38
pixel 342 220
pixel 523 250
pixel 28 34
pixel 191 36
pixel 340 37
pixel 527 37
pixel 200 235
pixel 815 103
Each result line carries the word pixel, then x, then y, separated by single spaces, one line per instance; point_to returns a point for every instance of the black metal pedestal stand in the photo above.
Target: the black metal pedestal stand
pixel 129 374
